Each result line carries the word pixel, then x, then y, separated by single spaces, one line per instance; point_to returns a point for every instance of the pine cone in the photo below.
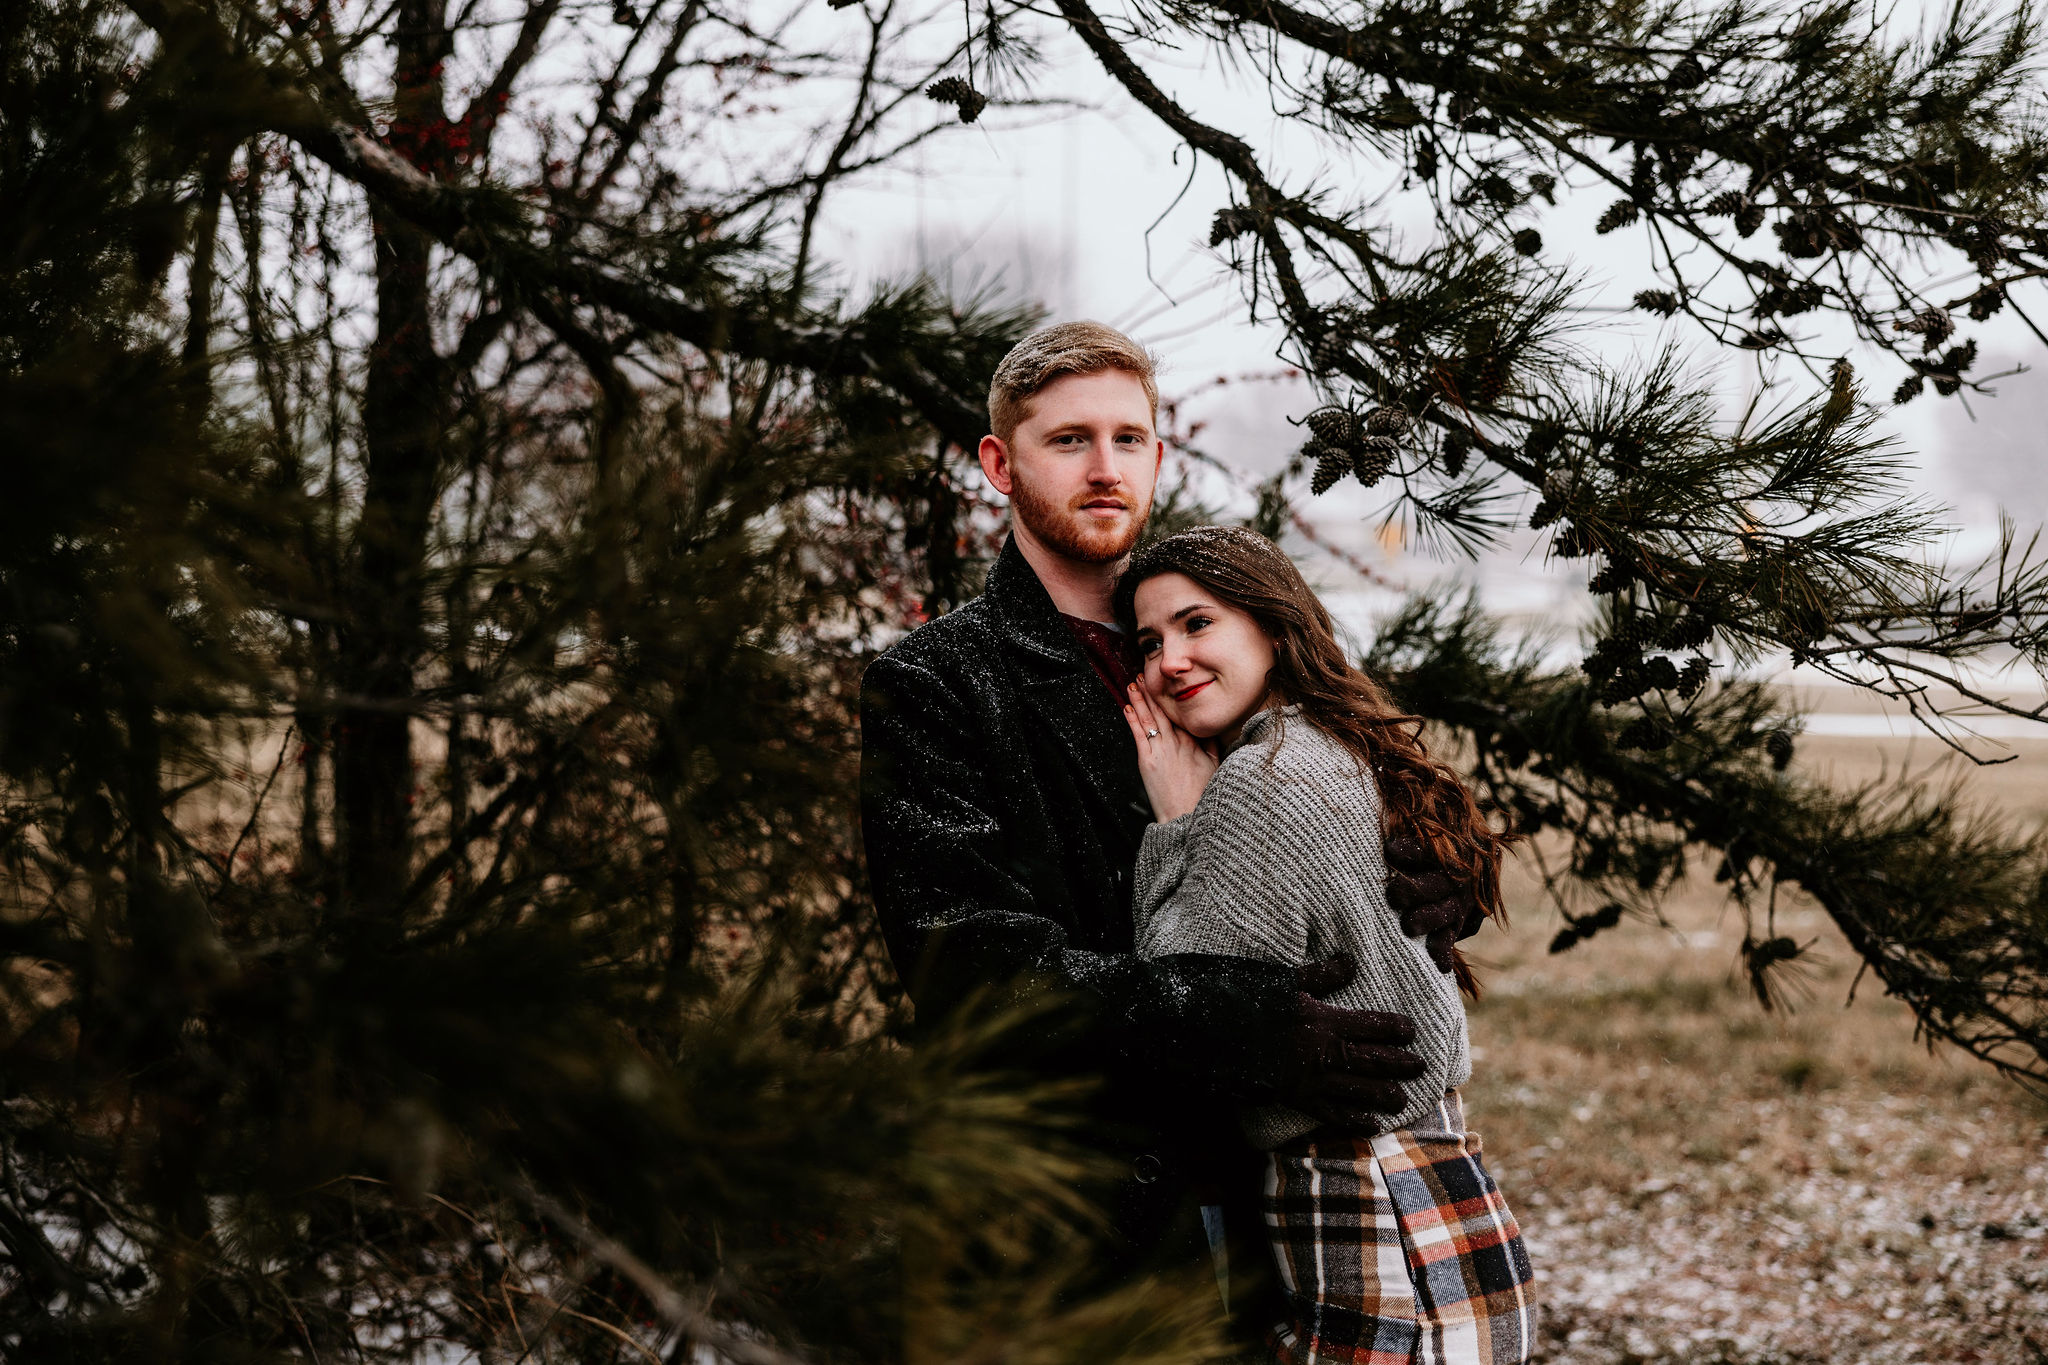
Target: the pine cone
pixel 1545 184
pixel 1933 324
pixel 1690 631
pixel 1390 420
pixel 1687 75
pixel 1627 684
pixel 1619 214
pixel 1229 223
pixel 1528 242
pixel 1613 577
pixel 1456 451
pixel 1986 301
pixel 1631 631
pixel 957 92
pixel 1694 676
pixel 1909 389
pixel 1375 457
pixel 1778 744
pixel 1748 219
pixel 1659 301
pixel 1489 380
pixel 1800 236
pixel 1333 426
pixel 1495 190
pixel 1331 465
pixel 1727 203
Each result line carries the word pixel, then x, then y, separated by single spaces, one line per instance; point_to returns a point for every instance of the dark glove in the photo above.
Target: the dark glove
pixel 1340 1065
pixel 1432 907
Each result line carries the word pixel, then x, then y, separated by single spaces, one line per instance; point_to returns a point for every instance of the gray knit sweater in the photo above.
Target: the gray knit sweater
pixel 1283 860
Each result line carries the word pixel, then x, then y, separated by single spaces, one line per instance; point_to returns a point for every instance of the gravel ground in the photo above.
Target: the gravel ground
pixel 1882 1261
pixel 1704 1183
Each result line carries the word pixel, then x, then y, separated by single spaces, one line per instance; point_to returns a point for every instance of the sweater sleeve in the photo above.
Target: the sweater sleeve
pixel 1162 866
pixel 1203 884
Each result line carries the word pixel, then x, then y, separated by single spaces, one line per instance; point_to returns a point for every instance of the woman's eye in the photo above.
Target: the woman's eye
pixel 1195 623
pixel 1147 648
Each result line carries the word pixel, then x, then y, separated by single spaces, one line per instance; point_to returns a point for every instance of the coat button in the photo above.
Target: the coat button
pixel 1146 1169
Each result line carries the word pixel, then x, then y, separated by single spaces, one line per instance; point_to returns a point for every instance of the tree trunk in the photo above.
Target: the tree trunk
pixel 404 418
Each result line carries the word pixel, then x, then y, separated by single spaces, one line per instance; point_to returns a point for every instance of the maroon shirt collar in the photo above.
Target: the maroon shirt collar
pixel 1109 653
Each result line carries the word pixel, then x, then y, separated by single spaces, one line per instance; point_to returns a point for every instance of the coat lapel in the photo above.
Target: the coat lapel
pixel 1069 704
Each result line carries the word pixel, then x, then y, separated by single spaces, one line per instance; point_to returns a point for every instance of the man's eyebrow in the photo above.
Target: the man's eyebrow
pixel 1082 424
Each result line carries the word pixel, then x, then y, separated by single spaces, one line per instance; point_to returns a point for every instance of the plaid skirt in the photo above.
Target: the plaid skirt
pixel 1397 1249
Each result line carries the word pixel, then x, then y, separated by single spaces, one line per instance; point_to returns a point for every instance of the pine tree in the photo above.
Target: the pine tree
pixel 432 919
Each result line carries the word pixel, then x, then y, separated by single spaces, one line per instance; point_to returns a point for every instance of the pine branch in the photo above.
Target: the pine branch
pixel 1945 906
pixel 490 229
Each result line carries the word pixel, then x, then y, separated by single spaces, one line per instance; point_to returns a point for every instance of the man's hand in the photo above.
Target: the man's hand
pixel 1341 1065
pixel 1431 906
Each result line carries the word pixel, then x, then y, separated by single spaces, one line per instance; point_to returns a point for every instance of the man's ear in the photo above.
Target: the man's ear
pixel 995 462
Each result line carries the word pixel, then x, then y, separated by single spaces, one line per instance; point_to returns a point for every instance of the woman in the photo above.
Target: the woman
pixel 1395 1246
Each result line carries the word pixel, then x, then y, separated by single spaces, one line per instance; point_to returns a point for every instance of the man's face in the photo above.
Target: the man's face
pixel 1079 471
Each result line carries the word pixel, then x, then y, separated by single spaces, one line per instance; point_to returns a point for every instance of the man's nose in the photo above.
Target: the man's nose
pixel 1103 468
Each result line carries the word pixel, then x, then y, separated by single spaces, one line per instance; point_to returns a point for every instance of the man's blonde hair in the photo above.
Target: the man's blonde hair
pixel 1054 353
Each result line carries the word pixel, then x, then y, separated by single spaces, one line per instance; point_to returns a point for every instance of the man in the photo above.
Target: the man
pixel 1002 811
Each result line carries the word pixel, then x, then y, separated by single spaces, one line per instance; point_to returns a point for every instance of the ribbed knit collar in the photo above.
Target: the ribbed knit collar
pixel 1259 723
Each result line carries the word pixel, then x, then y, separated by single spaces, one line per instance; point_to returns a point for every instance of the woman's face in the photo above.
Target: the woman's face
pixel 1205 662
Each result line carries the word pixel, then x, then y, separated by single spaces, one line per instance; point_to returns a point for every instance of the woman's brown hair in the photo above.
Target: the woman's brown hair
pixel 1422 797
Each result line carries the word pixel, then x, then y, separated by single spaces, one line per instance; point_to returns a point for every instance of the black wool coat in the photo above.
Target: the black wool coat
pixel 1001 810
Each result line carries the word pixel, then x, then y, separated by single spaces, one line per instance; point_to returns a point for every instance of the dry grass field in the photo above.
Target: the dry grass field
pixel 1703 1182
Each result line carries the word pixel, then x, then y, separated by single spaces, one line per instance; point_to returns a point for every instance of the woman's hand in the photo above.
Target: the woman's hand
pixel 1175 765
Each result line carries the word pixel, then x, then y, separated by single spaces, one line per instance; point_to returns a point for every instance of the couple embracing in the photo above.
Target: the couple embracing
pixel 1152 789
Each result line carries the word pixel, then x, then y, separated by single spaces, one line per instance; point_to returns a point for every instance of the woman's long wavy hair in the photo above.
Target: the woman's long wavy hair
pixel 1423 799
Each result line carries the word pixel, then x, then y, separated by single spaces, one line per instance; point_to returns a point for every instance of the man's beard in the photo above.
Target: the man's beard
pixel 1066 531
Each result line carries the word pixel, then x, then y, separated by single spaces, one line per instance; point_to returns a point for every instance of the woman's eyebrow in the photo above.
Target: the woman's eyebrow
pixel 1192 607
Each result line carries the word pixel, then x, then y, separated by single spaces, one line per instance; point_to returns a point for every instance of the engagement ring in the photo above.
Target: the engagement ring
pixel 1152 734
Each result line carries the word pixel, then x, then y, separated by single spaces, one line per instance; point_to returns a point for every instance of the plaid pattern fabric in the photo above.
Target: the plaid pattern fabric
pixel 1397 1249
